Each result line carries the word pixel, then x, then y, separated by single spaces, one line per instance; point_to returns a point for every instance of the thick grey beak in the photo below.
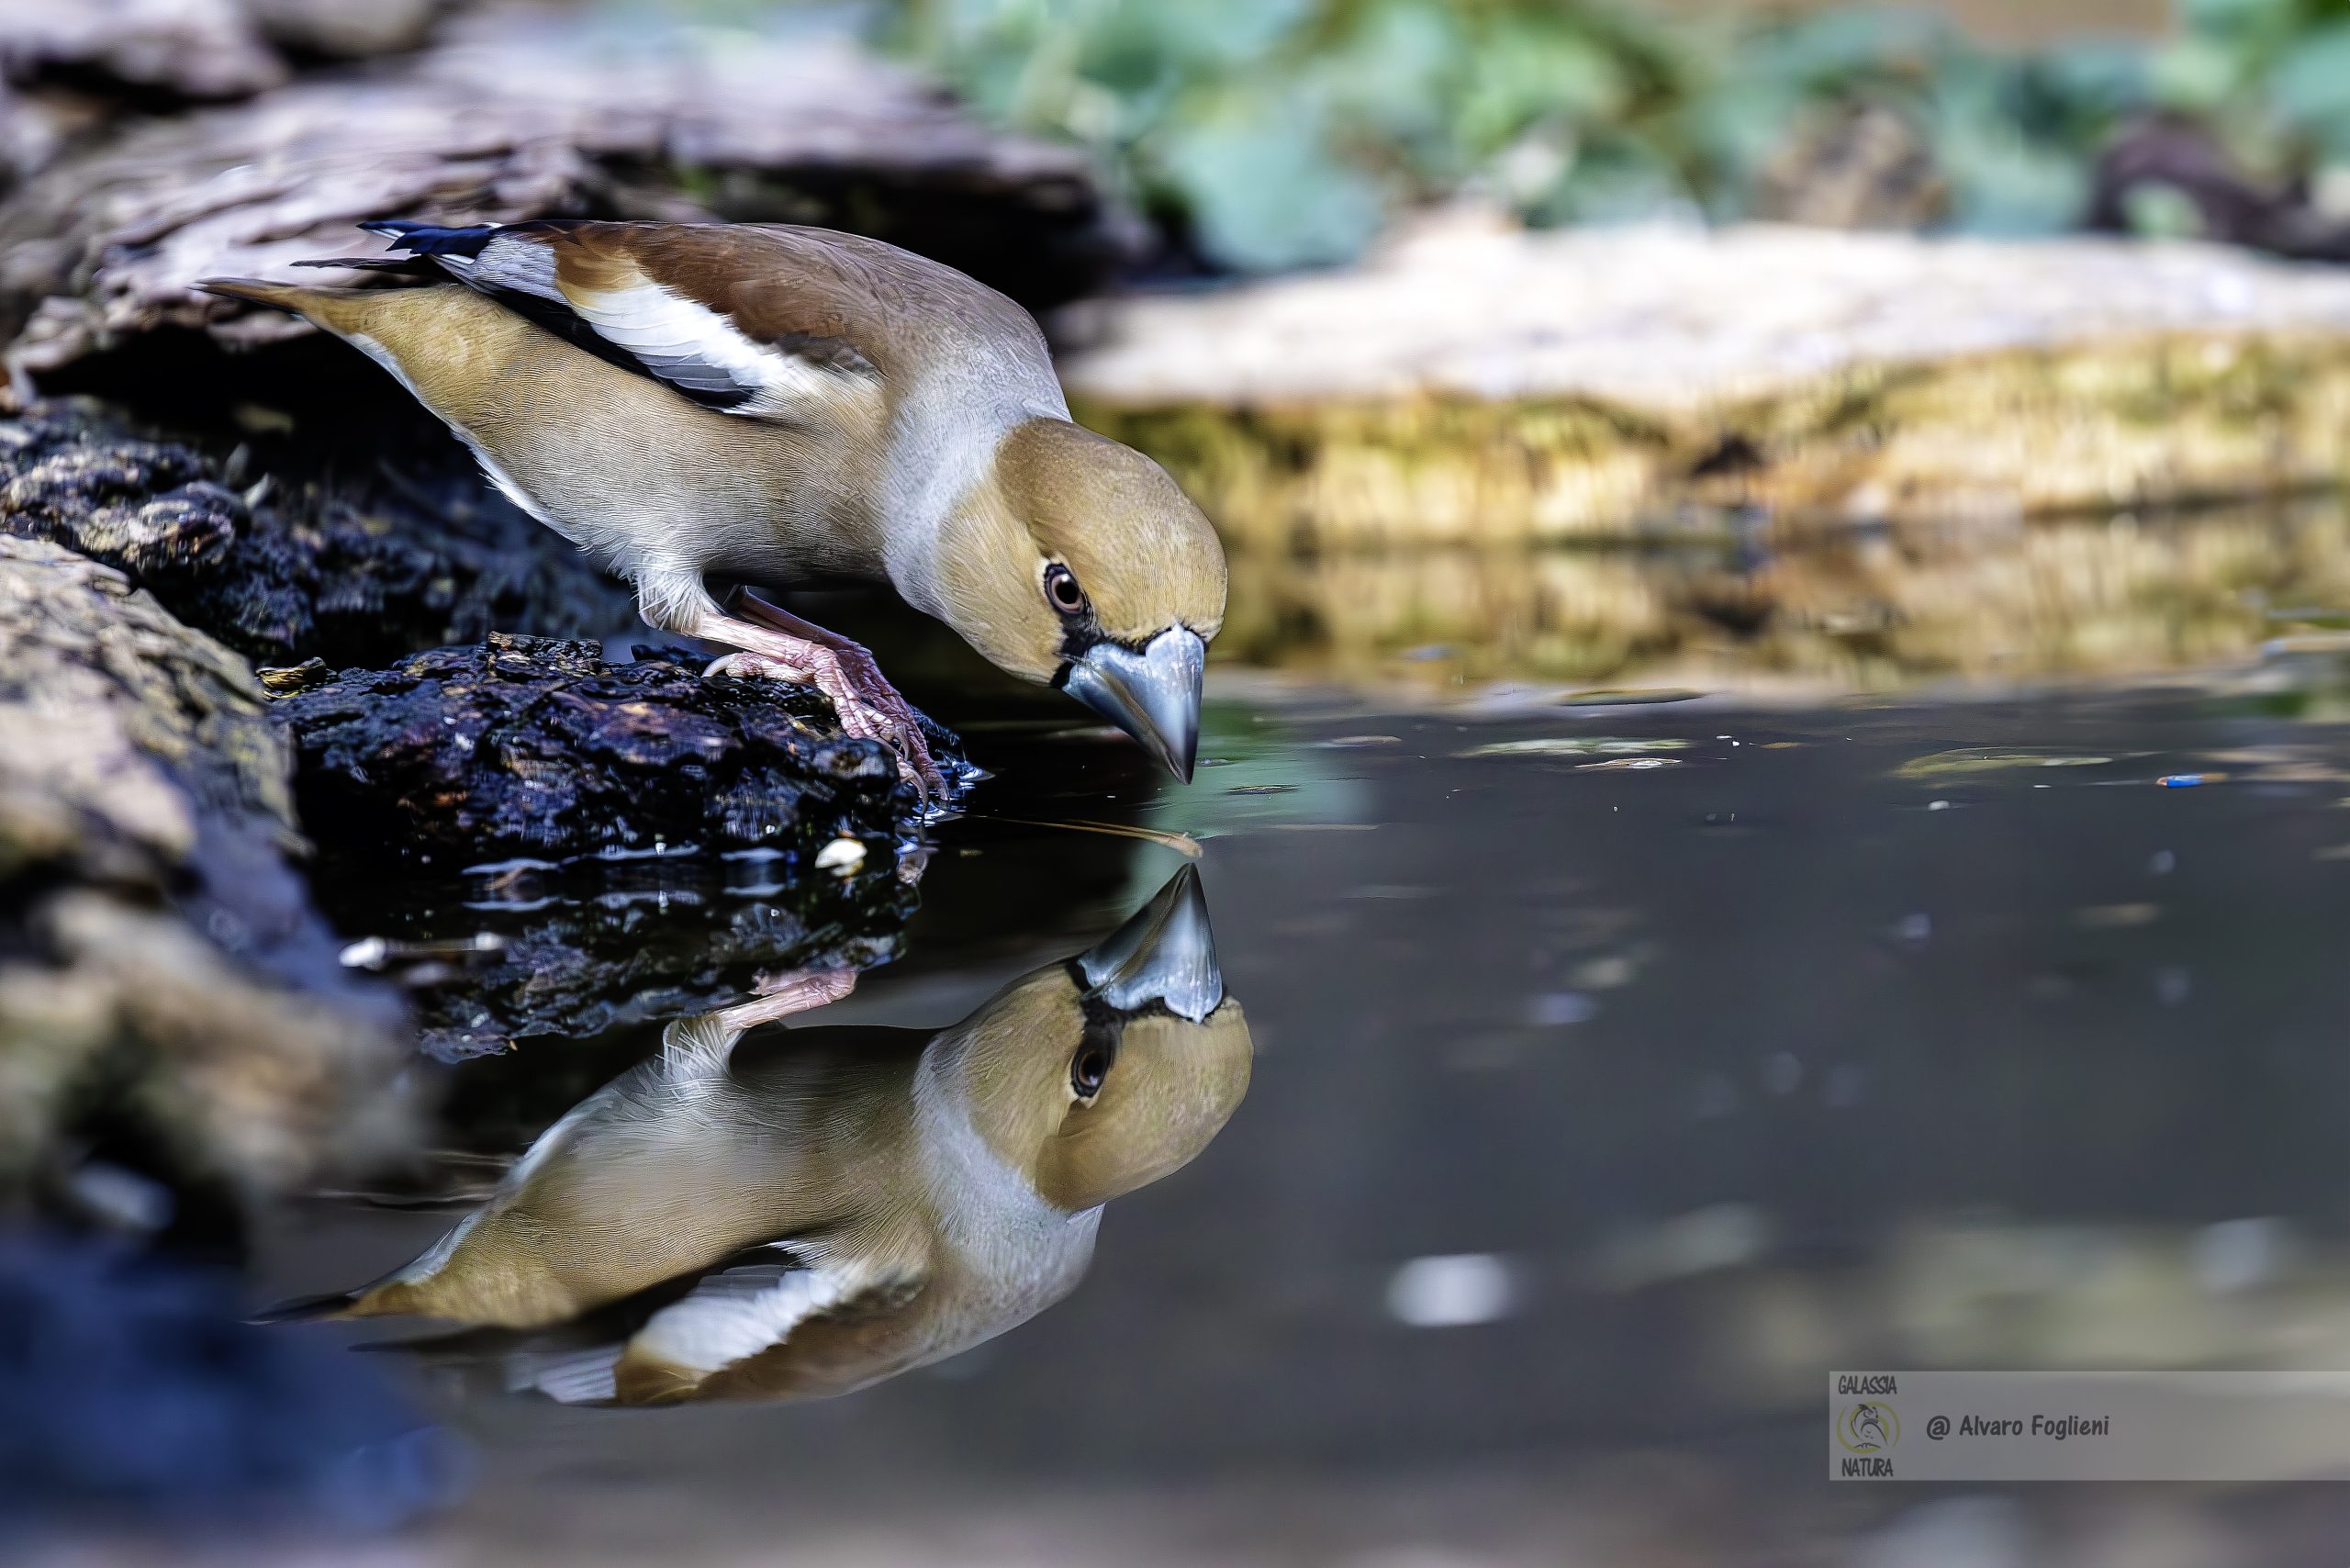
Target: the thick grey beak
pixel 1166 953
pixel 1154 696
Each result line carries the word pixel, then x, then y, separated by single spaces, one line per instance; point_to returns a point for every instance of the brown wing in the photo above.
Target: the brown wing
pixel 764 321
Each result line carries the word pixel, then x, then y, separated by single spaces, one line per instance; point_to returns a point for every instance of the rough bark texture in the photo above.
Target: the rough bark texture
pixel 667 826
pixel 521 115
pixel 1492 387
pixel 146 49
pixel 167 997
pixel 411 551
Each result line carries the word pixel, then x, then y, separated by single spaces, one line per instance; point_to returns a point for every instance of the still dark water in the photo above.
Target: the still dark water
pixel 1618 1070
pixel 1667 975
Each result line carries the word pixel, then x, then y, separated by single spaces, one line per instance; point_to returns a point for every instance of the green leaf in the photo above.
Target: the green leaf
pixel 1264 191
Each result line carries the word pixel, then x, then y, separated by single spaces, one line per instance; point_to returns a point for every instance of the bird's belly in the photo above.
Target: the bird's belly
pixel 763 503
pixel 650 483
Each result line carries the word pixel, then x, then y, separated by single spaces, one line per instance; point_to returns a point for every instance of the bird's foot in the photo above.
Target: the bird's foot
pixel 869 706
pixel 780 996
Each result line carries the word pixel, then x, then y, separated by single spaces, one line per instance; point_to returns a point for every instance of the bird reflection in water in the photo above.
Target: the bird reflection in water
pixel 819 1210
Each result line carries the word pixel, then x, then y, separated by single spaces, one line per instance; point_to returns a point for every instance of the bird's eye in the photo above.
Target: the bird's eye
pixel 1088 1069
pixel 1061 590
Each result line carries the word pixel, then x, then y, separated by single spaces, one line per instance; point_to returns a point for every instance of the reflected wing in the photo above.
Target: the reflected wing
pixel 765 1310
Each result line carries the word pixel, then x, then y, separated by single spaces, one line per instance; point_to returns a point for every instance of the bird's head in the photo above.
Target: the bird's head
pixel 1108 1072
pixel 1078 562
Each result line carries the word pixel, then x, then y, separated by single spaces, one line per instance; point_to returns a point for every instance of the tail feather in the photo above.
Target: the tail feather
pixel 308 1308
pixel 413 266
pixel 431 240
pixel 337 310
pixel 279 295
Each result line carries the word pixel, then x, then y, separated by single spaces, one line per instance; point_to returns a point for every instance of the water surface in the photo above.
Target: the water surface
pixel 1620 1068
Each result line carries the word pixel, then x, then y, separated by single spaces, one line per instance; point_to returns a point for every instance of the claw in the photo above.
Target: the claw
pixel 860 715
pixel 869 706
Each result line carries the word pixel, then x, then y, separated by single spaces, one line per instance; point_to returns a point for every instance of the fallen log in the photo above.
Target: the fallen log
pixel 1478 386
pixel 516 115
pixel 170 1006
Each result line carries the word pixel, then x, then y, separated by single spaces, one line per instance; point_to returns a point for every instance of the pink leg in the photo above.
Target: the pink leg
pixel 869 705
pixel 780 996
pixel 703 1043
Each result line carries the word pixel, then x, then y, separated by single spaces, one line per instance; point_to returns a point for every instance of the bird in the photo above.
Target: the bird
pixel 854 1202
pixel 773 404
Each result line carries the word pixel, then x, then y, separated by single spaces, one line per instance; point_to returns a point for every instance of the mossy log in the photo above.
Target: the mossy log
pixel 169 1002
pixel 1492 387
pixel 515 114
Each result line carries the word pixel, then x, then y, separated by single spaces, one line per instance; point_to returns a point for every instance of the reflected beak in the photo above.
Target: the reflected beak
pixel 1166 953
pixel 1154 696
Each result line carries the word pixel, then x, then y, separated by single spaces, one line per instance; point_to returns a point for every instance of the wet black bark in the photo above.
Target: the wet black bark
pixel 555 956
pixel 658 833
pixel 358 567
pixel 532 746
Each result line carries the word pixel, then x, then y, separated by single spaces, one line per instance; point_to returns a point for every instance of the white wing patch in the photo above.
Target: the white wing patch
pixel 570 1377
pixel 733 1316
pixel 690 346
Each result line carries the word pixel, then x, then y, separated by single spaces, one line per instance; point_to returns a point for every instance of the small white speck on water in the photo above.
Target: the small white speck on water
pixel 364 954
pixel 842 856
pixel 1560 1007
pixel 1452 1291
pixel 1938 805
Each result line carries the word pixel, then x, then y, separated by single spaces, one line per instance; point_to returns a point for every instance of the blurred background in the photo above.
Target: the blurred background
pixel 1772 790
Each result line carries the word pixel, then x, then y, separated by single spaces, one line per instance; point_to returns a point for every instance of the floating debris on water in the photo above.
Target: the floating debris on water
pixel 2187 780
pixel 1627 695
pixel 2116 916
pixel 1262 790
pixel 1977 759
pixel 1558 1008
pixel 1575 746
pixel 1183 844
pixel 374 952
pixel 1628 763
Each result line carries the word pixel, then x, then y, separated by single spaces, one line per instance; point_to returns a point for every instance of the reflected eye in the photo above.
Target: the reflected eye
pixel 1061 590
pixel 1086 1072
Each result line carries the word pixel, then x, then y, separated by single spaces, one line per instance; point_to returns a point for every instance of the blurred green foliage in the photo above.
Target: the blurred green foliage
pixel 2275 74
pixel 1280 133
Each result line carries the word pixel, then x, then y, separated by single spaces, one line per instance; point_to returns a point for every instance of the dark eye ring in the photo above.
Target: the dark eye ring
pixel 1061 590
pixel 1087 1071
